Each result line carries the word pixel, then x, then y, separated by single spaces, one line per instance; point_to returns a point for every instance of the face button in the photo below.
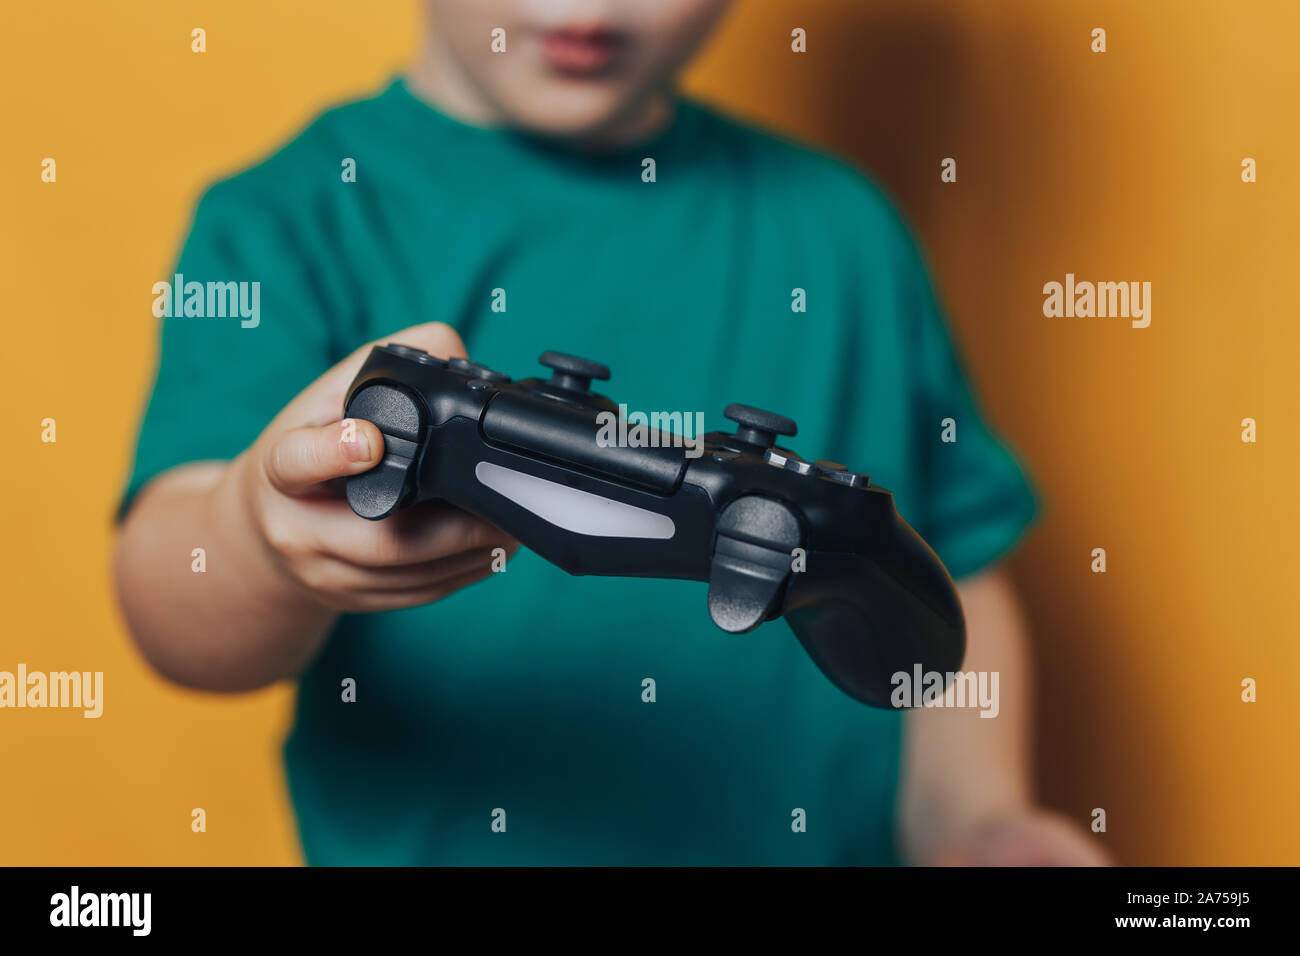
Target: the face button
pixel 478 371
pixel 850 478
pixel 573 374
pixel 788 462
pixel 726 455
pixel 758 427
pixel 478 384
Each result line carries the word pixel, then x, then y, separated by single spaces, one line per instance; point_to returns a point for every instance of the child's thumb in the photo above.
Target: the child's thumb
pixel 302 458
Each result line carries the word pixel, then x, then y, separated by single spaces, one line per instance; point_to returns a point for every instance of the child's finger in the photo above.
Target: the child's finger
pixel 302 458
pixel 424 533
pixel 370 601
pixel 322 401
pixel 340 577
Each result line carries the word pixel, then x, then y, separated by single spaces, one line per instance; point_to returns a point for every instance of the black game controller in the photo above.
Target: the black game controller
pixel 773 535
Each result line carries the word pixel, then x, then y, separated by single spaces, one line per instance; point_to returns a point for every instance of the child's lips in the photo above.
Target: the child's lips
pixel 580 50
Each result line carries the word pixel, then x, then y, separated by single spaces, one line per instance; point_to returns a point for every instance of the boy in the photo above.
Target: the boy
pixel 499 201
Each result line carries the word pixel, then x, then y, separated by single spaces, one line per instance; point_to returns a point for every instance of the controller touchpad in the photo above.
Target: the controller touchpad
pixel 572 509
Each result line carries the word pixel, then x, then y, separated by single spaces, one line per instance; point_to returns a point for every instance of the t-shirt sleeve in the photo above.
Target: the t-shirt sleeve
pixel 976 500
pixel 221 379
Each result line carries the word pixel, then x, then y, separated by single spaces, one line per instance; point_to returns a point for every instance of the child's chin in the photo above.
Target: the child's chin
pixel 555 111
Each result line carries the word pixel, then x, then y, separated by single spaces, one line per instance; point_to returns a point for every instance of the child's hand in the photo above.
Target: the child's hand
pixel 287 483
pixel 1029 837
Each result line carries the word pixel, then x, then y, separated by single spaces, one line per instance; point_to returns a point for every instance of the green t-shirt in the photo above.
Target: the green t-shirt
pixel 524 693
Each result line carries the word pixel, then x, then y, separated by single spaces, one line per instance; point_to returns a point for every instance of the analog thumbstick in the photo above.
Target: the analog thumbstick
pixel 572 373
pixel 758 427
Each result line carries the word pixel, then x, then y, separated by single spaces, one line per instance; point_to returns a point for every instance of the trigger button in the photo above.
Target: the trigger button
pixel 478 371
pixel 414 354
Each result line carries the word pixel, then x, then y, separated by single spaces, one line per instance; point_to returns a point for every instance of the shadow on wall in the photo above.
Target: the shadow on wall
pixel 896 92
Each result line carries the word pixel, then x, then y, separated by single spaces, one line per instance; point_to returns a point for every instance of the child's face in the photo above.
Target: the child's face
pixel 571 67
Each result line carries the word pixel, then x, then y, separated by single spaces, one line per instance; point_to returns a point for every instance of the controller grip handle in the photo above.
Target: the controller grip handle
pixel 863 619
pixel 394 411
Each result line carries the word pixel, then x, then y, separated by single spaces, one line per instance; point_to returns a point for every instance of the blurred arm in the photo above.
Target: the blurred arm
pixel 959 768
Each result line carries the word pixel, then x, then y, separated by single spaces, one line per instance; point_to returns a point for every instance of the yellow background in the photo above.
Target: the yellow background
pixel 1120 166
